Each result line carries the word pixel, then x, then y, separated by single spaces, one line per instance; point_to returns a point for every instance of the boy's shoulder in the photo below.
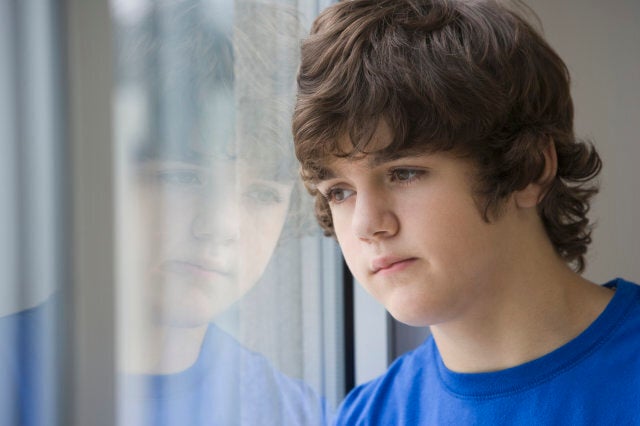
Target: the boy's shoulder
pixel 407 379
pixel 227 375
pixel 419 389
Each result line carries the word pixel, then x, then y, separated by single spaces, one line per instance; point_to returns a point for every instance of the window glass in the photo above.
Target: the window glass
pixel 228 301
pixel 32 212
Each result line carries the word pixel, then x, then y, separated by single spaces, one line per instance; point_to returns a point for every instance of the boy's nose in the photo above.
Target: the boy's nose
pixel 216 219
pixel 373 217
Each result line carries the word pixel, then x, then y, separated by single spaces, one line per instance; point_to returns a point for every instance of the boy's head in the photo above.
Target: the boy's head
pixel 469 77
pixel 213 173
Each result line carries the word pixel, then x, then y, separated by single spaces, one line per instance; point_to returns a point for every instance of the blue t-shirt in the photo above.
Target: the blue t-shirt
pixel 31 362
pixel 228 385
pixel 592 380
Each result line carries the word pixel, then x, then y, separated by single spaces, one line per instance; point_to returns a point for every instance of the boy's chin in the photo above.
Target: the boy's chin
pixel 410 320
pixel 411 313
pixel 189 315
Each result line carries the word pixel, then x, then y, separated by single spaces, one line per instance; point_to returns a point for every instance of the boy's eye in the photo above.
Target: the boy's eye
pixel 263 194
pixel 180 178
pixel 338 195
pixel 405 175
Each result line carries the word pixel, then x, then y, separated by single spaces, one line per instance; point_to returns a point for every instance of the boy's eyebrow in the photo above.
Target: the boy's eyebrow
pixel 378 158
pixel 326 173
pixel 374 159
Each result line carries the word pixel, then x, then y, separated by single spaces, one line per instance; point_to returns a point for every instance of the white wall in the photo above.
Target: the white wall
pixel 600 42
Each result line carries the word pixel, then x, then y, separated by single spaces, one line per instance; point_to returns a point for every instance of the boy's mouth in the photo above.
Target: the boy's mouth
pixel 388 264
pixel 194 268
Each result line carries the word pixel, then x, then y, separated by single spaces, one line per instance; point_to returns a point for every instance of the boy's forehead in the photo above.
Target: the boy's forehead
pixel 373 152
pixel 371 160
pixel 378 140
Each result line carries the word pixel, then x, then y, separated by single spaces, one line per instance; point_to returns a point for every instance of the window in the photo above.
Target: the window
pixel 32 214
pixel 161 265
pixel 227 295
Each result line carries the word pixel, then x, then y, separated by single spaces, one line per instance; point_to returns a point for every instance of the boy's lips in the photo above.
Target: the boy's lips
pixel 390 263
pixel 195 268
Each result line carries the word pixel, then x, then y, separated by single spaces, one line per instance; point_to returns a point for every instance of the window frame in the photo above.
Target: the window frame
pixel 89 84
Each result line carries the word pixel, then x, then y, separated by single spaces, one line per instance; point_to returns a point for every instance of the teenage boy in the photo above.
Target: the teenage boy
pixel 437 137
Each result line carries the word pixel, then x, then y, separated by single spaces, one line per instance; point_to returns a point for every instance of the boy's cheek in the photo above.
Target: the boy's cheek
pixel 340 229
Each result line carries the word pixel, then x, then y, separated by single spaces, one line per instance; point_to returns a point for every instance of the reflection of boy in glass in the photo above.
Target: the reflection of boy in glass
pixel 207 124
pixel 211 190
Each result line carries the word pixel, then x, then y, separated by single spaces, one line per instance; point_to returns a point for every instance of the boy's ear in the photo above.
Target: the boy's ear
pixel 535 192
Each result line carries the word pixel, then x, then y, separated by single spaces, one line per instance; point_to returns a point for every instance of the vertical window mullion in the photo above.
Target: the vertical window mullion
pixel 89 81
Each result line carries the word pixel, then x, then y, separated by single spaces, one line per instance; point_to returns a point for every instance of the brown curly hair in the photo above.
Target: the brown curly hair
pixel 473 77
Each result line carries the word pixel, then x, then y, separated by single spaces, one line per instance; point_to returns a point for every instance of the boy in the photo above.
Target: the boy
pixel 437 137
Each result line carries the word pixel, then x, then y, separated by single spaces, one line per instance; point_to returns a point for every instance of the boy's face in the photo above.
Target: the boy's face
pixel 211 229
pixel 412 234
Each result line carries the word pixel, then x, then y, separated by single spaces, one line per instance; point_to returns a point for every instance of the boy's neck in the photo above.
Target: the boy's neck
pixel 530 316
pixel 160 349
